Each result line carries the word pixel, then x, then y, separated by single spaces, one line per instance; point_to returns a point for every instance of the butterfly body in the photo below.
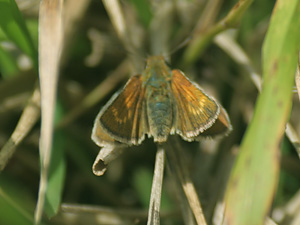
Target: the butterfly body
pixel 159 102
pixel 157 99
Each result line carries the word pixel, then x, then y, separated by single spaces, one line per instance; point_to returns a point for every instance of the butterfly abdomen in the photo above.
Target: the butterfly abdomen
pixel 159 110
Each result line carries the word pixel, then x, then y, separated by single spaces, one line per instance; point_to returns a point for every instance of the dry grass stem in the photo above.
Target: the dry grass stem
pixel 289 213
pixel 130 213
pixel 186 212
pixel 28 119
pixel 178 166
pixel 225 42
pixel 201 40
pixel 50 31
pixel 116 16
pixel 209 14
pixel 155 198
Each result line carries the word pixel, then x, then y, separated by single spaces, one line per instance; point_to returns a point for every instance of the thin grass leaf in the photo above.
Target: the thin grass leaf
pixel 50 44
pixel 253 181
pixel 57 170
pixel 13 24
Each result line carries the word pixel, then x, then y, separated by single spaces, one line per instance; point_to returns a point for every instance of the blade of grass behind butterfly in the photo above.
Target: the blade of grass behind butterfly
pixel 57 169
pixel 13 24
pixel 8 65
pixel 50 32
pixel 253 181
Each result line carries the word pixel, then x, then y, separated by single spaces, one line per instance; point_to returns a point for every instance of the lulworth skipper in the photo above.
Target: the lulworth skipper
pixel 159 102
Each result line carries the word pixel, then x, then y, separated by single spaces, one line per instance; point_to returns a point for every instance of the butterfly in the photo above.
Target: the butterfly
pixel 158 103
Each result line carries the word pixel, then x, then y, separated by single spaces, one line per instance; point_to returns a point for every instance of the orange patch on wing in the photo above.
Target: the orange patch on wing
pixel 195 111
pixel 124 118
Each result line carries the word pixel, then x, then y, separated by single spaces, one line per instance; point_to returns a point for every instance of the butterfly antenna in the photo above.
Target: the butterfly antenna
pixel 181 45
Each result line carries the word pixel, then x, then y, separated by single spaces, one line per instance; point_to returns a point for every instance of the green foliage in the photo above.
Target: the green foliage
pixel 8 65
pixel 143 9
pixel 253 180
pixel 13 24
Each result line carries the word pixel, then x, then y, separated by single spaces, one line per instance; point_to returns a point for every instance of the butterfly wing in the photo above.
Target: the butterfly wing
pixel 123 118
pixel 195 111
pixel 221 127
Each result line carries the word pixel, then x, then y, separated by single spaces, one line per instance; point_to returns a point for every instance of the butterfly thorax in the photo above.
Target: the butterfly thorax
pixel 158 100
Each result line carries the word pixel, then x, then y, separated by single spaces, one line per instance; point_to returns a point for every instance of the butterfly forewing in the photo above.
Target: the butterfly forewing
pixel 124 117
pixel 195 111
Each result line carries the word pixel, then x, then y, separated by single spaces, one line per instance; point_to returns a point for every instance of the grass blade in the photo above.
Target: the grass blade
pixel 8 65
pixel 50 32
pixel 253 182
pixel 57 170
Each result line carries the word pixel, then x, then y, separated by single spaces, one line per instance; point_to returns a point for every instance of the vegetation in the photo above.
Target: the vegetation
pixel 60 62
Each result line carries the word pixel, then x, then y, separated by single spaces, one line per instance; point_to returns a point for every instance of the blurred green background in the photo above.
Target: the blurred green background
pixel 91 54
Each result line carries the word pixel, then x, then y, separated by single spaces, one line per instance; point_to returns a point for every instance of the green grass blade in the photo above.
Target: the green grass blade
pixel 255 175
pixel 143 9
pixel 16 206
pixel 13 25
pixel 57 170
pixel 8 65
